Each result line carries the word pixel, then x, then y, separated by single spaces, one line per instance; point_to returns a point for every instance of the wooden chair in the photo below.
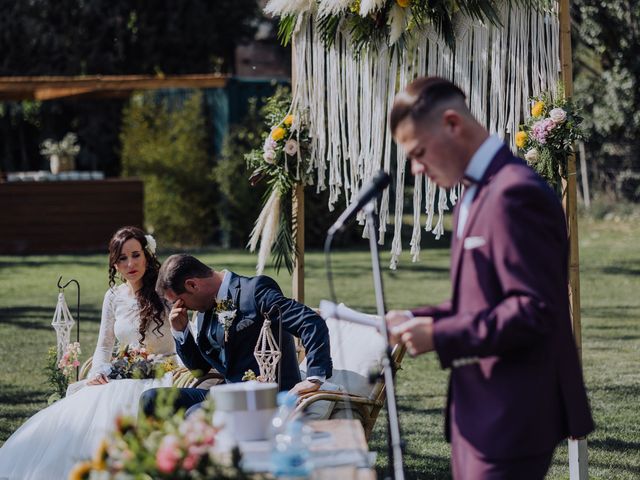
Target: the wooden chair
pixel 357 352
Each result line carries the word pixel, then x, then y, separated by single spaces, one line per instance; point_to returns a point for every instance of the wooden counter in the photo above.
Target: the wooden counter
pixel 66 216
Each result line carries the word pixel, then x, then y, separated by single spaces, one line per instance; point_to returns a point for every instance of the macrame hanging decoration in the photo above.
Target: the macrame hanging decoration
pixel 348 95
pixel 267 353
pixel 62 323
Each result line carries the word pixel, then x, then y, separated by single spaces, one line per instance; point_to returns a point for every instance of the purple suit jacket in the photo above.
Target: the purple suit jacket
pixel 510 310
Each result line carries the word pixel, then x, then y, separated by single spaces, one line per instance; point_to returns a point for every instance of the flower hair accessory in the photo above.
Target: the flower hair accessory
pixel 151 244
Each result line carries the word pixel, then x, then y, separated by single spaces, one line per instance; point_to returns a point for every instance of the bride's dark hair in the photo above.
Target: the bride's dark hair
pixel 151 305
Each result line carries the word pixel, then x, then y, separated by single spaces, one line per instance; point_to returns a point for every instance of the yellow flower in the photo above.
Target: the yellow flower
pixel 537 108
pixel 521 139
pixel 288 120
pixel 81 471
pixel 100 457
pixel 278 133
pixel 403 3
pixel 355 7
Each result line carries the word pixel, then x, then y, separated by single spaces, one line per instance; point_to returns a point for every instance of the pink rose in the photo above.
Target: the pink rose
pixel 76 363
pixel 541 128
pixel 168 454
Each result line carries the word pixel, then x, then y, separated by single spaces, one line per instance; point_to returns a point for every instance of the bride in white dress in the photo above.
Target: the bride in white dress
pixel 49 444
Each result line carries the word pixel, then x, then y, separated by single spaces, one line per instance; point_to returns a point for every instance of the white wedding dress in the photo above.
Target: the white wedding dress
pixel 51 442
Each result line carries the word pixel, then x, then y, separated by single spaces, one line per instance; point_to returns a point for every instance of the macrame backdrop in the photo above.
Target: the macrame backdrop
pixel 346 98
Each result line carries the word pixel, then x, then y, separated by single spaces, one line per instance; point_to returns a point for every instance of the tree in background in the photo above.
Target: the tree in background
pixel 79 37
pixel 607 72
pixel 166 145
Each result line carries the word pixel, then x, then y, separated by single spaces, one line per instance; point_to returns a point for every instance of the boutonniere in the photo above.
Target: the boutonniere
pixel 226 311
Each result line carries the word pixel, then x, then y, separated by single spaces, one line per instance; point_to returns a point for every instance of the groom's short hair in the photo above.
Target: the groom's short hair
pixel 176 270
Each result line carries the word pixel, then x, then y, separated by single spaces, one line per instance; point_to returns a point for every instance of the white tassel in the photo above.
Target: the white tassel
pixel 417 207
pixel 289 7
pixel 398 18
pixel 332 7
pixel 370 6
pixel 269 233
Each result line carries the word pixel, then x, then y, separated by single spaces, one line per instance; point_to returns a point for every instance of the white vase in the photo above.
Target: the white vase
pixel 54 164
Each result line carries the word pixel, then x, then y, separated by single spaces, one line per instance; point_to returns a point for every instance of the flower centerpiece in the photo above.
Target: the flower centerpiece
pixel 137 362
pixel 168 447
pixel 62 154
pixel 546 139
pixel 283 161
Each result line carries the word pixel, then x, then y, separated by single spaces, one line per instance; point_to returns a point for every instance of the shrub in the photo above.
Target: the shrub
pixel 166 145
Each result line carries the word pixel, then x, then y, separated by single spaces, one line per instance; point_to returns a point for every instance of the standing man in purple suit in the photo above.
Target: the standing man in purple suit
pixel 516 386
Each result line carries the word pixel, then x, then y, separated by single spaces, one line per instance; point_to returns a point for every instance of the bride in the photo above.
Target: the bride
pixel 49 444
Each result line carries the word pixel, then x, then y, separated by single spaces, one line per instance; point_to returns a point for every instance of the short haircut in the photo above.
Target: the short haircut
pixel 421 97
pixel 176 270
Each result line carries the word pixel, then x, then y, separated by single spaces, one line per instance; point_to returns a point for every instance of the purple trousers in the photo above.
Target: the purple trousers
pixel 468 464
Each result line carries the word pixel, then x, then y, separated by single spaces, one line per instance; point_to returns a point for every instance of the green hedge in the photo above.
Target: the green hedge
pixel 166 146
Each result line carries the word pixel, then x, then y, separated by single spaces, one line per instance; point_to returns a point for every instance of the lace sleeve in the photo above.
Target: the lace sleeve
pixel 101 362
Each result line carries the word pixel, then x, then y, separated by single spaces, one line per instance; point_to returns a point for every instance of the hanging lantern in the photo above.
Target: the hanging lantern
pixel 62 323
pixel 267 353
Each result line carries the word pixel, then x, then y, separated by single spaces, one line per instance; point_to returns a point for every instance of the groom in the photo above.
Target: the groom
pixel 188 284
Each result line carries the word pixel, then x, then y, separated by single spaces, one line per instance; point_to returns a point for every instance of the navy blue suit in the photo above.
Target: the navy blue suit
pixel 253 297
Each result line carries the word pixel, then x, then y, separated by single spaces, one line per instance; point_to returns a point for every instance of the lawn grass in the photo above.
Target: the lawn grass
pixel 610 283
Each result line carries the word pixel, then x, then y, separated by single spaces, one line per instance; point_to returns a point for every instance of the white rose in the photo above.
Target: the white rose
pixel 291 147
pixel 531 156
pixel 151 244
pixel 269 156
pixel 558 115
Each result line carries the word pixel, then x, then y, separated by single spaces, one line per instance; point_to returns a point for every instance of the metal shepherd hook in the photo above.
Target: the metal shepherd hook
pixel 62 287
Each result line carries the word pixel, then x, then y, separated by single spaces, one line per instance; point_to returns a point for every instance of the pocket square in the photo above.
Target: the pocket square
pixel 474 242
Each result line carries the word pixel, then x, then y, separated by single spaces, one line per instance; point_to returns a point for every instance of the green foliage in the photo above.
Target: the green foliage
pixel 238 202
pixel 607 72
pixel 56 379
pixel 166 146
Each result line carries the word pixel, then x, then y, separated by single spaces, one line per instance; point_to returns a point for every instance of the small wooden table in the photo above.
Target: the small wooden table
pixel 346 439
pixel 346 435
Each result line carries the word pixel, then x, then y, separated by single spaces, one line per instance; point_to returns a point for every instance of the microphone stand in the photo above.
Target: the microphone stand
pixel 393 424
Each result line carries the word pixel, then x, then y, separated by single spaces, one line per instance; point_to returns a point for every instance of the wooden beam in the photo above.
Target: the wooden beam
pixel 297 287
pixel 298 234
pixel 570 199
pixel 578 453
pixel 50 87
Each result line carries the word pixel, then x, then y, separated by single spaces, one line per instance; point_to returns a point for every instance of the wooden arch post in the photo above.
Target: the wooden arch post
pixel 578 455
pixel 297 217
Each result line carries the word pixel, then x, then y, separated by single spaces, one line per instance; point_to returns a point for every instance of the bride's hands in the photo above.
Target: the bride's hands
pixel 99 379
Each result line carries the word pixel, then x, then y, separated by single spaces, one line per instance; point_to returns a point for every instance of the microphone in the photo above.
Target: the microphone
pixel 377 184
pixel 342 312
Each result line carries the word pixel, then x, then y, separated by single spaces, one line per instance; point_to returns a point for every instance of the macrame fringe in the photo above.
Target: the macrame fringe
pixel 348 97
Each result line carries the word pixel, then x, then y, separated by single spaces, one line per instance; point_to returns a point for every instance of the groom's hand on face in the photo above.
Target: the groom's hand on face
pixel 178 316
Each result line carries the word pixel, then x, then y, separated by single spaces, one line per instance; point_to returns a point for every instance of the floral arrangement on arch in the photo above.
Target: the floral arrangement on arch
pixel 137 362
pixel 546 139
pixel 283 162
pixel 369 21
pixel 169 447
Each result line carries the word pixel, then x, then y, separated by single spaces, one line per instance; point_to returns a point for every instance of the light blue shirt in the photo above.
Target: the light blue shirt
pixel 476 169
